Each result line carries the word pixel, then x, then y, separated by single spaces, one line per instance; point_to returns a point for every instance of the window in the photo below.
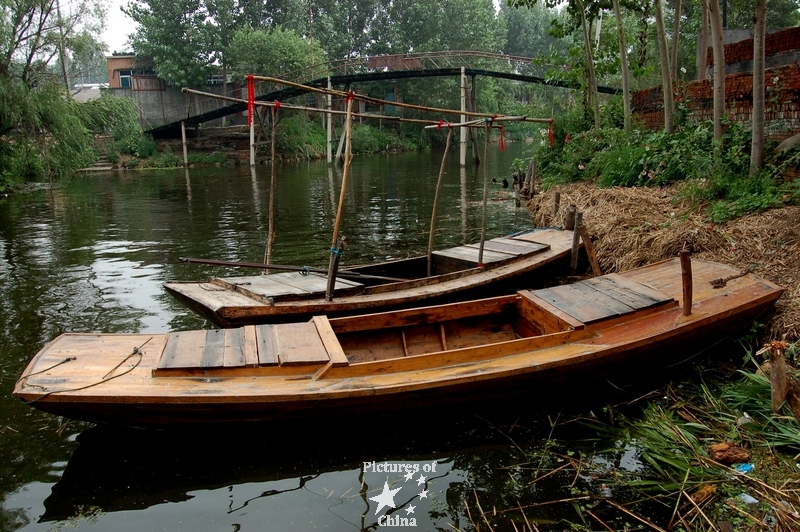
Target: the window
pixel 125 77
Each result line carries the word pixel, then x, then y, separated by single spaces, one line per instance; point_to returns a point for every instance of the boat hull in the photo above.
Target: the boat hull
pixel 151 391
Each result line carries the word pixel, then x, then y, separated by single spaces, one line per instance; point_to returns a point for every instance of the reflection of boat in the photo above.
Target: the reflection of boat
pixel 385 361
pixel 288 296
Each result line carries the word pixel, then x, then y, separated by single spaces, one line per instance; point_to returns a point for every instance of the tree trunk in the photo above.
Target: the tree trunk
pixel 623 56
pixel 757 148
pixel 719 68
pixel 666 76
pixel 676 32
pixel 590 66
pixel 702 53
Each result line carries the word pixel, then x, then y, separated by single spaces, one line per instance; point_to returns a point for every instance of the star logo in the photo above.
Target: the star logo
pixel 420 480
pixel 423 494
pixel 409 475
pixel 386 498
pixel 410 509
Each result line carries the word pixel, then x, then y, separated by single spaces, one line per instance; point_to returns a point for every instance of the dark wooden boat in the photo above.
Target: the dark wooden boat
pixel 392 360
pixel 289 296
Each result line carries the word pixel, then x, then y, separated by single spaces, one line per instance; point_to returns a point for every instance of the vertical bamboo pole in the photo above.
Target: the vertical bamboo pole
pixel 569 221
pixel 250 121
pixel 686 277
pixel 183 140
pixel 329 123
pixel 272 187
pixel 335 250
pixel 576 242
pixel 436 198
pixel 462 154
pixel 556 205
pixel 486 131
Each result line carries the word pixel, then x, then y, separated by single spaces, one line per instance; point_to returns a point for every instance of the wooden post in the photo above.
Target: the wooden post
pixel 329 124
pixel 336 245
pixel 569 221
pixel 576 242
pixel 686 277
pixel 436 199
pixel 462 154
pixel 333 267
pixel 556 205
pixel 486 129
pixel 185 151
pixel 589 247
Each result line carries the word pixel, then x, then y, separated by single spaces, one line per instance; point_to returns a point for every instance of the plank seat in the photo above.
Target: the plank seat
pixel 286 286
pixel 246 349
pixel 600 298
pixel 495 251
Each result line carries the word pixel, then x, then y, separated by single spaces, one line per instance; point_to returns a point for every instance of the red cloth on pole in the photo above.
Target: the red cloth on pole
pixel 251 99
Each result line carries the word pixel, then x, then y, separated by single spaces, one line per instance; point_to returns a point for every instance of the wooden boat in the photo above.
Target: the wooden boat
pixel 290 296
pixel 387 361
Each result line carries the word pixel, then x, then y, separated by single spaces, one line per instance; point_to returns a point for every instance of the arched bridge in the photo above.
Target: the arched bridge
pixel 343 73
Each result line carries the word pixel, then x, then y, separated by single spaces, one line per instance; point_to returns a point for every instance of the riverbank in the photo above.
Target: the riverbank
pixel 635 226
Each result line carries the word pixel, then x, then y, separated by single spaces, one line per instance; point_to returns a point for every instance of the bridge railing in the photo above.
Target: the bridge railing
pixel 195 105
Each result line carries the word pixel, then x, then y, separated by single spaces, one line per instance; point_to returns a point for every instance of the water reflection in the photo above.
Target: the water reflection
pixel 92 257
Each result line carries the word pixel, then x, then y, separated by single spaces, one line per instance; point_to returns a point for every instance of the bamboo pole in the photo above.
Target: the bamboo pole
pixel 183 141
pixel 462 145
pixel 271 232
pixel 487 129
pixel 436 198
pixel 329 124
pixel 378 101
pixel 335 247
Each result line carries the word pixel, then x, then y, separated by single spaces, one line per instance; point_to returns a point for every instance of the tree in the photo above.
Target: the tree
pixel 719 67
pixel 666 72
pixel 270 53
pixel 176 37
pixel 623 55
pixel 759 31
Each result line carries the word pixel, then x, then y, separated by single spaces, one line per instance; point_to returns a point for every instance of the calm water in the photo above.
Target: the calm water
pixel 92 255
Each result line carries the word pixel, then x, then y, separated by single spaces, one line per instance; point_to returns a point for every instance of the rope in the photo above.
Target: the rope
pixel 305 271
pixel 719 283
pixel 106 378
pixel 336 251
pixel 68 359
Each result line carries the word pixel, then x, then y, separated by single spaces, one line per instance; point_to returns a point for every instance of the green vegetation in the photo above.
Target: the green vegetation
pixel 715 181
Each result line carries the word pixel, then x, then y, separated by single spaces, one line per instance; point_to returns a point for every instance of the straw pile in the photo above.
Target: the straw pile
pixel 632 227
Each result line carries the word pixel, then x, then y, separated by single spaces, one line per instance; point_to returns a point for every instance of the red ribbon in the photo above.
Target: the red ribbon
pixel 277 105
pixel 551 136
pixel 350 96
pixel 251 99
pixel 502 140
pixel 441 123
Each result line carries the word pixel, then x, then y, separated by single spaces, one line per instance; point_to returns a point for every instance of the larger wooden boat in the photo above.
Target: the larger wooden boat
pixel 390 360
pixel 290 296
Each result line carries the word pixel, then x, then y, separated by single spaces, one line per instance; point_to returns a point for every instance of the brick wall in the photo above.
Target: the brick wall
pixel 782 111
pixel 774 43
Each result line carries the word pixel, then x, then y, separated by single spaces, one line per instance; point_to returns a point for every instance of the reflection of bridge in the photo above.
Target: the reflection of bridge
pixel 344 73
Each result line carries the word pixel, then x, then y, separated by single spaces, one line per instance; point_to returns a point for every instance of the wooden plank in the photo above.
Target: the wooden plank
pixel 214 350
pixel 530 247
pixel 260 286
pixel 212 296
pixel 267 343
pixel 250 346
pixel 470 254
pixel 329 341
pixel 639 289
pixel 597 298
pixel 571 302
pixel 501 248
pixel 299 343
pixel 546 316
pixel 183 350
pixel 234 353
pixel 629 297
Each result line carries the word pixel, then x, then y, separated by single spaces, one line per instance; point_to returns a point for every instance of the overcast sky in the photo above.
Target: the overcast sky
pixel 118 27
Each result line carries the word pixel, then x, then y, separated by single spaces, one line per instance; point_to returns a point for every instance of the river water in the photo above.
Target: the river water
pixel 91 256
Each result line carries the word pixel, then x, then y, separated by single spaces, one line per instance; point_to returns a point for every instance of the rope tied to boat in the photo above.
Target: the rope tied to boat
pixel 137 351
pixel 305 271
pixel 68 359
pixel 721 282
pixel 337 251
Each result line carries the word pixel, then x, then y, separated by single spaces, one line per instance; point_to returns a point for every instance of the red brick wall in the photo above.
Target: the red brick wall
pixel 782 112
pixel 774 43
